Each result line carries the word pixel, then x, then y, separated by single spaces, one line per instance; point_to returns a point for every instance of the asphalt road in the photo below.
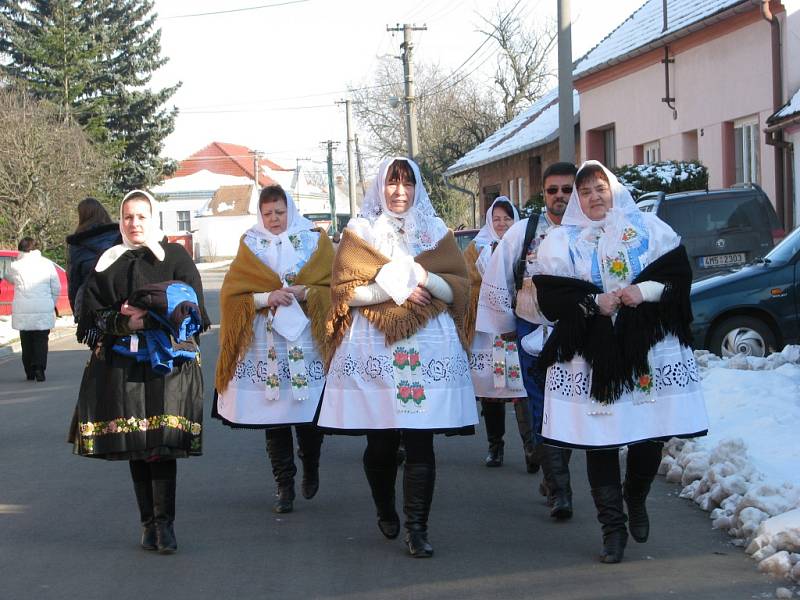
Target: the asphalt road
pixel 68 526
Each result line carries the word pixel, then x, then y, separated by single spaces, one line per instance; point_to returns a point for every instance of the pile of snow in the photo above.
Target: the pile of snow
pixel 667 176
pixel 9 335
pixel 746 472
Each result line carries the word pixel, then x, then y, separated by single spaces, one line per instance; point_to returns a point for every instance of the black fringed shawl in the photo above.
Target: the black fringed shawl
pixel 616 351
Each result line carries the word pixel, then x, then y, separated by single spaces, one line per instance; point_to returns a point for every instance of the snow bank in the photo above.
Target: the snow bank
pixel 9 335
pixel 746 472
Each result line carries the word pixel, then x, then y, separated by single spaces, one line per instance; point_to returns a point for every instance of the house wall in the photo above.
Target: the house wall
pixel 720 74
pixel 498 174
pixel 169 212
pixel 792 135
pixel 218 237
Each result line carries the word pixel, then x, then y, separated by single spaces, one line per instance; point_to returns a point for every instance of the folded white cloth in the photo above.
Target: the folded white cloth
pixel 534 341
pixel 290 321
pixel 398 278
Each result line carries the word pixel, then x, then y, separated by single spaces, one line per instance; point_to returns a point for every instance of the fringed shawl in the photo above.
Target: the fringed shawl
pixel 248 275
pixel 357 263
pixel 471 255
pixel 616 351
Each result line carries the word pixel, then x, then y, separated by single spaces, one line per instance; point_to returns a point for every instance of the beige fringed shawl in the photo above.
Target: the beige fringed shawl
pixel 357 263
pixel 471 258
pixel 248 275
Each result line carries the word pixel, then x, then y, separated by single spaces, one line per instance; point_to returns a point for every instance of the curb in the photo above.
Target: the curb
pixel 14 347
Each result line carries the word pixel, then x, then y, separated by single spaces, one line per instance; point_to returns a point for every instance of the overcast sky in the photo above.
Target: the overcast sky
pixel 268 78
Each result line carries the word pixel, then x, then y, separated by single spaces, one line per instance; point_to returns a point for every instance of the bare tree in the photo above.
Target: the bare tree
pixel 46 168
pixel 454 115
pixel 524 69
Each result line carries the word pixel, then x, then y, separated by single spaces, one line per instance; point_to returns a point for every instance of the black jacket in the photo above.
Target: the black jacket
pixel 83 251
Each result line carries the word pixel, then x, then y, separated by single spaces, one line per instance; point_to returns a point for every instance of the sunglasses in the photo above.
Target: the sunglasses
pixel 565 189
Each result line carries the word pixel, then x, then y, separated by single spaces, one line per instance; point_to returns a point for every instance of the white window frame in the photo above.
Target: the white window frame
pixel 748 168
pixel 652 152
pixel 610 146
pixel 520 192
pixel 187 220
pixel 511 190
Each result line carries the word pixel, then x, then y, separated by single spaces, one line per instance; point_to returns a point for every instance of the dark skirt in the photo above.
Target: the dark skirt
pixel 126 411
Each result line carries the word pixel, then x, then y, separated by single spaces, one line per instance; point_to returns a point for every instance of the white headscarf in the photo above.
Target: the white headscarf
pixel 420 224
pixel 153 234
pixel 622 202
pixel 487 235
pixel 280 254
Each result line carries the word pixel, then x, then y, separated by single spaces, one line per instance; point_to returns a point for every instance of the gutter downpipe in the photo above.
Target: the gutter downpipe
pixel 453 186
pixel 775 139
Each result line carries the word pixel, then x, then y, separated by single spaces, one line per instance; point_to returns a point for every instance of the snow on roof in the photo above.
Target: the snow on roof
pixel 202 181
pixel 790 109
pixel 531 128
pixel 645 26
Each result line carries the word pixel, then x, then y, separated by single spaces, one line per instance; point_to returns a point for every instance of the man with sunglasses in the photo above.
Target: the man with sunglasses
pixel 512 262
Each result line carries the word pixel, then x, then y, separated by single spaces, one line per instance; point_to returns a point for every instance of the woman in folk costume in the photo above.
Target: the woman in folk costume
pixel 128 409
pixel 620 370
pixel 274 304
pixel 496 372
pixel 399 369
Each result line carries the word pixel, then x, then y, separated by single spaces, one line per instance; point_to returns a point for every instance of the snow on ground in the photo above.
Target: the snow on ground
pixel 210 266
pixel 746 472
pixel 9 335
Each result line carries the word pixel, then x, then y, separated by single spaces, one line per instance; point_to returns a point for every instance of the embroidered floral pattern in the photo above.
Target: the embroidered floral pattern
pixel 499 368
pixel 299 381
pixel 644 383
pixel 406 357
pixel 617 266
pixel 628 234
pixel 295 353
pixel 271 353
pixel 295 240
pixel 290 278
pixel 133 424
pixel 273 381
pixel 513 372
pixel 410 392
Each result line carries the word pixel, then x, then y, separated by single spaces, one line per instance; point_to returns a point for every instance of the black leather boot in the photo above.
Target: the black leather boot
pixel 382 485
pixel 556 480
pixel 610 513
pixel 164 512
pixel 523 415
pixel 281 455
pixel 494 416
pixel 418 483
pixel 309 441
pixel 636 489
pixel 144 498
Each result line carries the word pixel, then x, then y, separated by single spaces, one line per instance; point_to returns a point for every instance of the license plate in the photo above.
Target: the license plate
pixel 722 260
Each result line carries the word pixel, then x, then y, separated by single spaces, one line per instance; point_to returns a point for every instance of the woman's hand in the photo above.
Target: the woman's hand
pixel 608 303
pixel 420 296
pixel 630 296
pixel 298 291
pixel 135 316
pixel 282 297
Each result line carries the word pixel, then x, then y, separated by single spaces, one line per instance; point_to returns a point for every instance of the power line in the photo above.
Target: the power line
pixel 236 10
pixel 250 110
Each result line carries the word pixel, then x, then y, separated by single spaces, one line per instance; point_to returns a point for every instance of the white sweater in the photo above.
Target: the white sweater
pixel 36 289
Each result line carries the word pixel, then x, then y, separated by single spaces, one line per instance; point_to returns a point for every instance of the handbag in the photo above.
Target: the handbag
pixel 525 304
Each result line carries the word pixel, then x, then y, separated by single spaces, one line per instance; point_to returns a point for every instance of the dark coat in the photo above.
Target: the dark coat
pixel 83 250
pixel 127 410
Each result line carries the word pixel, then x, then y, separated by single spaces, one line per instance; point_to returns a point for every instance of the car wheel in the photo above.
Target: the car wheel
pixel 742 335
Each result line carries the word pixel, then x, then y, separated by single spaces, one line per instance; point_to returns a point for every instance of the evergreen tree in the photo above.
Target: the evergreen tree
pixel 92 59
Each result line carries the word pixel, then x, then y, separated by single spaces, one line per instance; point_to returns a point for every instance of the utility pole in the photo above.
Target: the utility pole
pixel 351 167
pixel 331 189
pixel 408 70
pixel 360 168
pixel 566 110
pixel 296 186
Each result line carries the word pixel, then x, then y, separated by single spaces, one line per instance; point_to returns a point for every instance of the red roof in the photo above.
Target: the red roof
pixel 226 159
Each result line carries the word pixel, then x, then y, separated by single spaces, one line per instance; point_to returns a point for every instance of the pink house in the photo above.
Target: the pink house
pixel 698 80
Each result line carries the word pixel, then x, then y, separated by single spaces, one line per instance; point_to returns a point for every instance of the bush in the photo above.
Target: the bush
pixel 667 176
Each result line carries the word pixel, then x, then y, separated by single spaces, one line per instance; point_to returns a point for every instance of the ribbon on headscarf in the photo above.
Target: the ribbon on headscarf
pixel 153 235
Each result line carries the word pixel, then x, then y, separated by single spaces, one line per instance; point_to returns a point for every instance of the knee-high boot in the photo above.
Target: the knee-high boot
pixel 418 484
pixel 610 513
pixel 636 489
pixel 523 415
pixel 143 487
pixel 164 512
pixel 280 449
pixel 382 485
pixel 309 442
pixel 494 416
pixel 556 479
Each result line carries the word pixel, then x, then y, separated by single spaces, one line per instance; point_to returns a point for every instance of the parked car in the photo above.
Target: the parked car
pixel 7 290
pixel 752 310
pixel 464 237
pixel 720 228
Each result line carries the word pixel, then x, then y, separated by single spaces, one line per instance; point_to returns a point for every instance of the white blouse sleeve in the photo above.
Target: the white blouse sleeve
pixel 554 256
pixel 495 312
pixel 366 295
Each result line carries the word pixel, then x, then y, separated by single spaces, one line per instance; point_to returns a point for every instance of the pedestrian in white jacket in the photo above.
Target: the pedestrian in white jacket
pixel 36 289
